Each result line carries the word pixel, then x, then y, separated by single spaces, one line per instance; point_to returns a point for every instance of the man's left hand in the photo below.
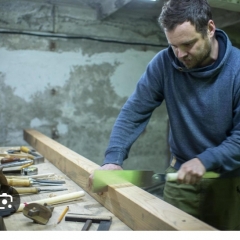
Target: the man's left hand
pixel 191 171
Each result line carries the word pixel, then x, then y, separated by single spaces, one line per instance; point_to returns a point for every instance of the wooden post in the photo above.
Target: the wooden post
pixel 137 208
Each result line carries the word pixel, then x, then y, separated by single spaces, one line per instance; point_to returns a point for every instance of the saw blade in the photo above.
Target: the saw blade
pixel 104 178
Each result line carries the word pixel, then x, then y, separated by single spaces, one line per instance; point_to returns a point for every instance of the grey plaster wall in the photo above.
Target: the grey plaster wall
pixel 72 90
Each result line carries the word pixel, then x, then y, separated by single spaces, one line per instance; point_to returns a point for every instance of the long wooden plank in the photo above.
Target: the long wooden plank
pixel 137 208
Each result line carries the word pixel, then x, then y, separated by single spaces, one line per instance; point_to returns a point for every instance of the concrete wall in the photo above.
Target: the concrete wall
pixel 72 89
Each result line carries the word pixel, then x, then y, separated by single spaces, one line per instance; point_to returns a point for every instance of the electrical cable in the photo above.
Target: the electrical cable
pixel 82 37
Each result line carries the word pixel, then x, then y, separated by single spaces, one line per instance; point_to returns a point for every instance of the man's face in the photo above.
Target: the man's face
pixel 189 46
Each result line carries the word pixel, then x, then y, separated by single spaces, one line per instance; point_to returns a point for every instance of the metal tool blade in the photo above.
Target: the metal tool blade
pixel 16 164
pixel 45 184
pixel 104 178
pixel 51 189
pixel 48 181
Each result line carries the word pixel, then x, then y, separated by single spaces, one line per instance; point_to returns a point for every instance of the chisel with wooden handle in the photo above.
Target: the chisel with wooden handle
pixel 10 159
pixel 30 182
pixel 28 190
pixel 38 176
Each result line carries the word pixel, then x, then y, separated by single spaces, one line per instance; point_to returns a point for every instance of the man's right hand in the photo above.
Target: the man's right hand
pixel 108 166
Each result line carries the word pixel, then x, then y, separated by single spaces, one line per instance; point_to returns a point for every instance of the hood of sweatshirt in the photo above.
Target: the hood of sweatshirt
pixel 206 72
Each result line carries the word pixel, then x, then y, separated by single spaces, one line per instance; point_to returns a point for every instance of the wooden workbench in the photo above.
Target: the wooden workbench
pixel 85 205
pixel 131 207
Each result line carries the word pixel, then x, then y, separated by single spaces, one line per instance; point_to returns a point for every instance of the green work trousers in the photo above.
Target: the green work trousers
pixel 213 201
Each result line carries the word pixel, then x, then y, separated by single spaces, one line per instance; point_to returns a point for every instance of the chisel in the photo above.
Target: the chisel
pixel 27 190
pixel 10 159
pixel 30 182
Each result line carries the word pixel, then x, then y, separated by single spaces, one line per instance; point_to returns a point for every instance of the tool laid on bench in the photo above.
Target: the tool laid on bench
pixel 36 157
pixel 104 221
pixel 73 196
pixel 31 182
pixel 38 213
pixel 29 190
pixel 37 176
pixel 11 159
pixel 28 171
pixel 17 163
pixel 16 166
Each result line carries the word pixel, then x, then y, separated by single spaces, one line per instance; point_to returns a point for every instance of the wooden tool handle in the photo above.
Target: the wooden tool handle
pixel 172 177
pixel 19 182
pixel 54 200
pixel 24 190
pixel 17 155
pixel 24 149
pixel 46 175
pixel 8 160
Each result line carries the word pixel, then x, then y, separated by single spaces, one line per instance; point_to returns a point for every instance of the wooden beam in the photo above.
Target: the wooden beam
pixel 137 208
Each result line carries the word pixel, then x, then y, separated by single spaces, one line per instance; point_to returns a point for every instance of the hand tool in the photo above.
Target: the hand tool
pixel 38 176
pixel 7 155
pixel 11 167
pixel 38 213
pixel 37 158
pixel 104 221
pixel 10 159
pixel 103 178
pixel 143 179
pixel 33 190
pixel 16 163
pixel 16 170
pixel 31 182
pixel 31 170
pixel 57 199
pixel 3 179
pixel 172 177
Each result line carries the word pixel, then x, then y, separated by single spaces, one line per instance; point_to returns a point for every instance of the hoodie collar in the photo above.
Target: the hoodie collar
pixel 208 70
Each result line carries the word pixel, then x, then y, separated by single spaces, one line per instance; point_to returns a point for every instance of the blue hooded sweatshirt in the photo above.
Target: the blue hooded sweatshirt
pixel 203 107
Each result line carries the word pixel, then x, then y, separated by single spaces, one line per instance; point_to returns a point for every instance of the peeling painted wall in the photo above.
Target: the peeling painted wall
pixel 71 87
pixel 72 90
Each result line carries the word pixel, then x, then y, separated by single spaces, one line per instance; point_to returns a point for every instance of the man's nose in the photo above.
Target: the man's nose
pixel 181 53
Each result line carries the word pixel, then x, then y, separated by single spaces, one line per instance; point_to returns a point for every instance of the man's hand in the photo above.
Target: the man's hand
pixel 191 171
pixel 104 167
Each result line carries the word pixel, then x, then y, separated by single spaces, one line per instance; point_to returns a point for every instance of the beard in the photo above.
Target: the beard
pixel 200 59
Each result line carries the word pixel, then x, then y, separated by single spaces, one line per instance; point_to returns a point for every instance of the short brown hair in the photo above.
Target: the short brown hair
pixel 175 12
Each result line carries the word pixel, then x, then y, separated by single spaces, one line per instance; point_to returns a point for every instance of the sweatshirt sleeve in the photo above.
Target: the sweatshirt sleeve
pixel 134 115
pixel 226 156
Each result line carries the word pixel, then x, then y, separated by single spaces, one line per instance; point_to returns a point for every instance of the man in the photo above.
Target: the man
pixel 198 76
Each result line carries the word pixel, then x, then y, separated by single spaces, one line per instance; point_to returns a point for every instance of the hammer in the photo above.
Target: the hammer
pixel 104 221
